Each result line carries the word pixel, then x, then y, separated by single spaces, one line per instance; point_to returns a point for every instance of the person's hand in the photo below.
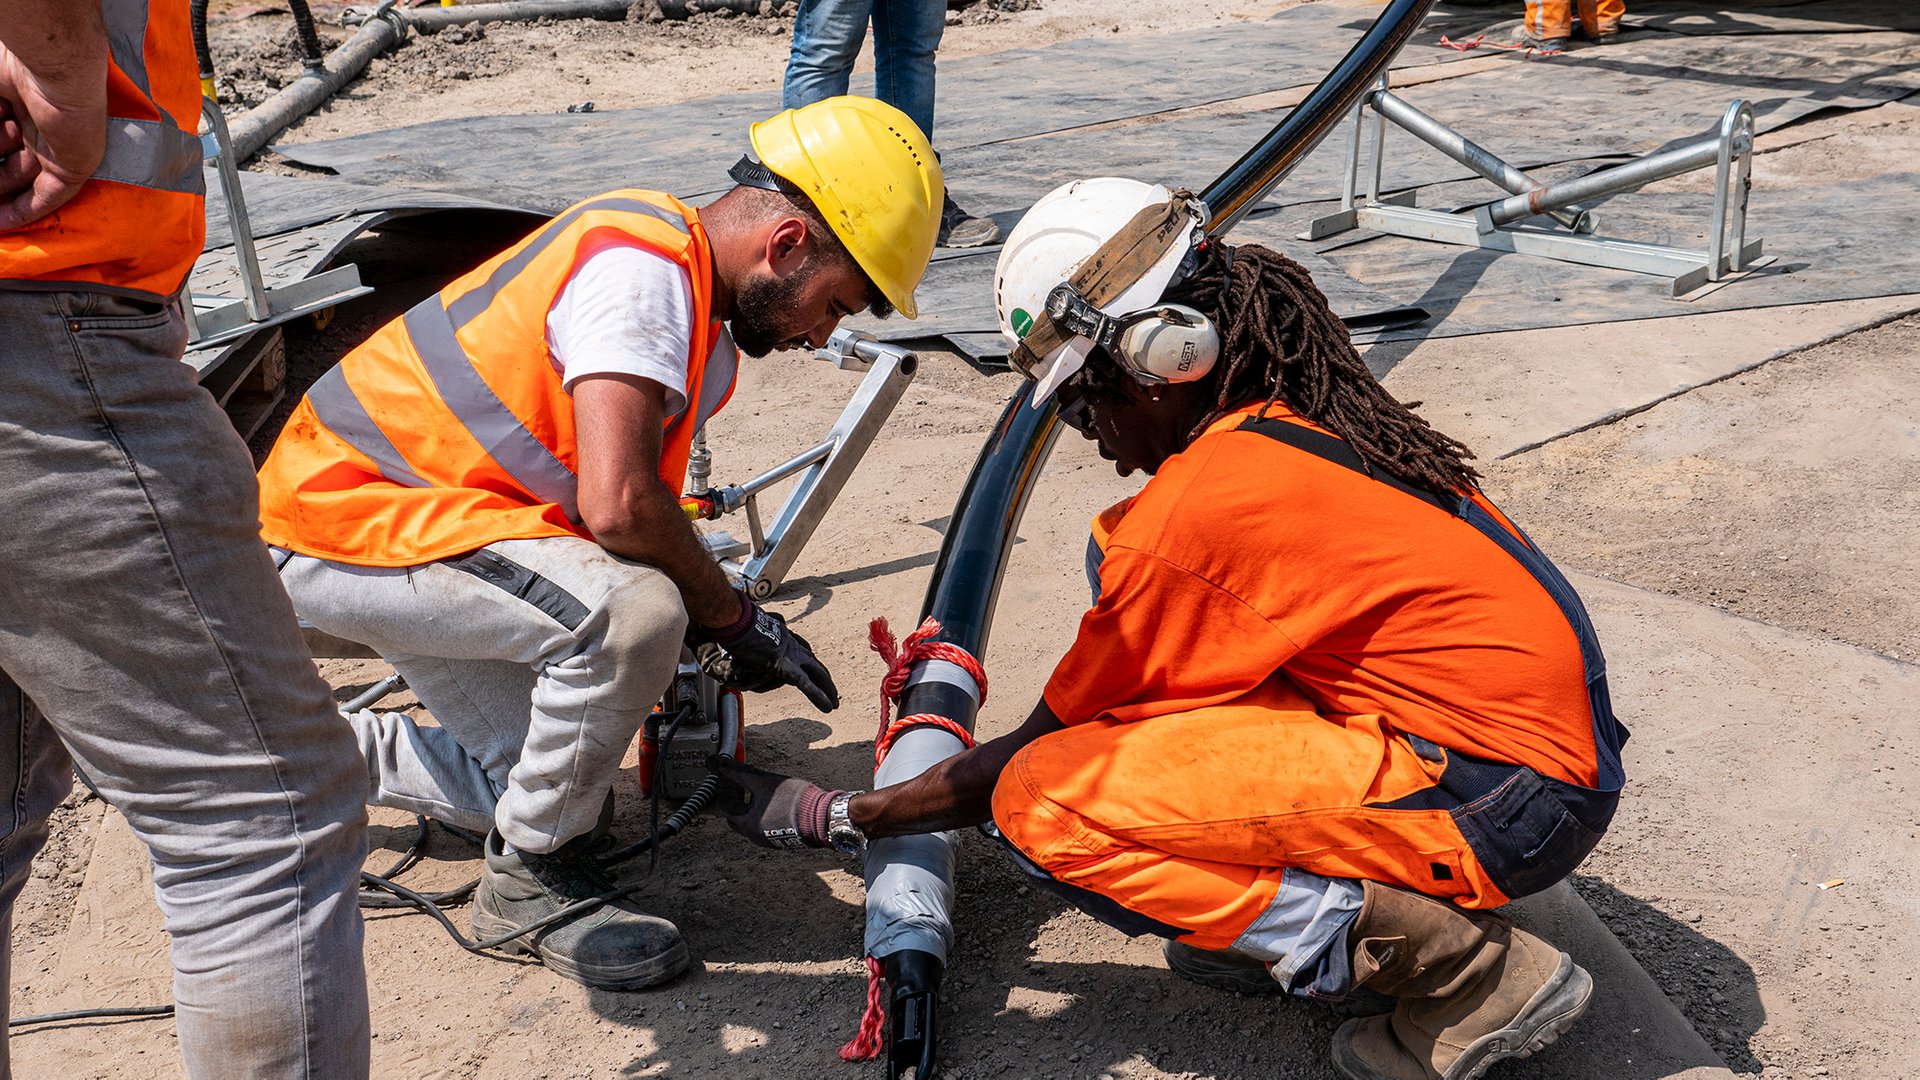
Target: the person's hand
pixel 772 810
pixel 760 652
pixel 53 126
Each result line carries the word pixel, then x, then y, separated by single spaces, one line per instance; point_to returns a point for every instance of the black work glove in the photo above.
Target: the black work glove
pixel 760 652
pixel 771 810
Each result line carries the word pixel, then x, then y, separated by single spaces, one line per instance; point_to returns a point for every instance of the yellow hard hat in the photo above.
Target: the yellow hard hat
pixel 872 174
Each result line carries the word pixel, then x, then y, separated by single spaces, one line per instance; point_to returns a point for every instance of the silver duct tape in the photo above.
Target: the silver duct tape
pixel 945 671
pixel 910 878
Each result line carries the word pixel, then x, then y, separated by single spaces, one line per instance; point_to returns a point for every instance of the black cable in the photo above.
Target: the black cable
pixel 91 1014
pixel 201 53
pixel 310 52
pixel 399 896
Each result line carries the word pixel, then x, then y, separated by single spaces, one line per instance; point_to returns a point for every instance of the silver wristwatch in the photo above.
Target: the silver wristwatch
pixel 842 833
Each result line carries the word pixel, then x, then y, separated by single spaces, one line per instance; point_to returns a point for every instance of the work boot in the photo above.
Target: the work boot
pixel 613 946
pixel 1473 989
pixel 1233 970
pixel 959 229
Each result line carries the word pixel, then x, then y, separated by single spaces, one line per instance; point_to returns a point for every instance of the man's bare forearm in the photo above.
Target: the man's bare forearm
pixel 954 793
pixel 661 536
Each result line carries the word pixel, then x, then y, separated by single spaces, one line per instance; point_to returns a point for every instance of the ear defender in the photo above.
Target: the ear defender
pixel 1171 343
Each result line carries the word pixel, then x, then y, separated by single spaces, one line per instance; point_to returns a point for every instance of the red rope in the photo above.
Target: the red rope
pixel 900 657
pixel 865 1044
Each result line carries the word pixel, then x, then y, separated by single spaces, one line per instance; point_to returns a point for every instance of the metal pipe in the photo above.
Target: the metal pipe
pixel 1469 153
pixel 1244 183
pixel 779 472
pixel 1627 177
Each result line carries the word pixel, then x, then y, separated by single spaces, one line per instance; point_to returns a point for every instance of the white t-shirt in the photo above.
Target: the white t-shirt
pixel 627 311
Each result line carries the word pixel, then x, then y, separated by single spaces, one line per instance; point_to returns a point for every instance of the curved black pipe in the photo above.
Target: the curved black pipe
pixel 973 556
pixel 1235 191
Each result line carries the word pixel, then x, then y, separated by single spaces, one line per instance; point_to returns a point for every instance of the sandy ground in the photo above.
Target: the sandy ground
pixel 1755 519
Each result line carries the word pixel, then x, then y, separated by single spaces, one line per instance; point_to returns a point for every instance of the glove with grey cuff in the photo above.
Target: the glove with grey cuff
pixel 758 652
pixel 783 812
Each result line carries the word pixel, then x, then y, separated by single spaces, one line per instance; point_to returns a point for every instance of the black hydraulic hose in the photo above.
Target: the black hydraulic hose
pixel 311 54
pixel 92 1014
pixel 1235 192
pixel 197 11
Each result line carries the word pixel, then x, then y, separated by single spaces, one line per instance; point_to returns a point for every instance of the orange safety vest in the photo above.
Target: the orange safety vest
pixel 449 429
pixel 138 224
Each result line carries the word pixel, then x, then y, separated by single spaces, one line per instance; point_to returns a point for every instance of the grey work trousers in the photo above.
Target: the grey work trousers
pixel 144 638
pixel 539 659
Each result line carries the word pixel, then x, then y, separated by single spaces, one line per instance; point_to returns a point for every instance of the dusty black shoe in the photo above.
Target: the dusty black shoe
pixel 959 229
pixel 1226 969
pixel 613 946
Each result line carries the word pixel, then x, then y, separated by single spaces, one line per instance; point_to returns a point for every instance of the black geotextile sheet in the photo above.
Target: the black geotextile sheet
pixel 552 160
pixel 280 204
pixel 1013 125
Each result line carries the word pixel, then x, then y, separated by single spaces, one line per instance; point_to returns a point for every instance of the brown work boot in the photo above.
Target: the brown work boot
pixel 1473 990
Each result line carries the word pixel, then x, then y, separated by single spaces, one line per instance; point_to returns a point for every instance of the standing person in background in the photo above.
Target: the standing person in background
pixel 906 34
pixel 143 634
pixel 1550 22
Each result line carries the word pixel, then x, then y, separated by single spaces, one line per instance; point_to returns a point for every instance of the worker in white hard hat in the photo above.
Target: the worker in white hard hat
pixel 1329 706
pixel 487 493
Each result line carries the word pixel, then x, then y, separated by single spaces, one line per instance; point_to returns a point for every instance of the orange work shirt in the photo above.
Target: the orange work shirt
pixel 1244 556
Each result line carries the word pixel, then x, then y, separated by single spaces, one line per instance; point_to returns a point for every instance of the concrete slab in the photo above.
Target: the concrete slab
pixel 1764 763
pixel 1505 393
pixel 1774 495
pixel 1630 1029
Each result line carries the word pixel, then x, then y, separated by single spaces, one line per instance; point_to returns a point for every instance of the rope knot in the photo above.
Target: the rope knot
pixel 900 657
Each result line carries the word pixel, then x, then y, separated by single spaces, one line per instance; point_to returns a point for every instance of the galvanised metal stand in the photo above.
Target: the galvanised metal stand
pixel 1497 226
pixel 212 320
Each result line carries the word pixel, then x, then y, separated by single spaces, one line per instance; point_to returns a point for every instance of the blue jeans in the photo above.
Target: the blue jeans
pixel 144 636
pixel 826 39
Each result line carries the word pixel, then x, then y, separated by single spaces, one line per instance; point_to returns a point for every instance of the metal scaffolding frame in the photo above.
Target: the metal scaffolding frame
pixel 1499 225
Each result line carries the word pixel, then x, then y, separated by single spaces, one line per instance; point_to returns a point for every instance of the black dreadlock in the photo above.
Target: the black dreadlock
pixel 1280 341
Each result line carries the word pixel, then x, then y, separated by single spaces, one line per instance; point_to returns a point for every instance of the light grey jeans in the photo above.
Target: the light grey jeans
pixel 539 659
pixel 143 637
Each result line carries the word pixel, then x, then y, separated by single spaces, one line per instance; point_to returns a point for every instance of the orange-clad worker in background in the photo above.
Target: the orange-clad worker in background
pixel 143 635
pixel 1329 706
pixel 1550 22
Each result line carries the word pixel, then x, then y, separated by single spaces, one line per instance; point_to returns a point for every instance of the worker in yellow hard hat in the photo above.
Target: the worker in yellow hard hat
pixel 487 493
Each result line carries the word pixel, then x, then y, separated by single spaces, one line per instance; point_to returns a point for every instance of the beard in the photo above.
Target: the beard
pixel 765 313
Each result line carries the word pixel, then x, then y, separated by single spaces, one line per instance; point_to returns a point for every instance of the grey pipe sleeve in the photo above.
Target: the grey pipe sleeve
pixel 910 878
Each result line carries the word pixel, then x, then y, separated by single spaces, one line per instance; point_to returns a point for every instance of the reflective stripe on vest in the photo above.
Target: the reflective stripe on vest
pixel 338 407
pixel 451 428
pixel 470 304
pixel 137 226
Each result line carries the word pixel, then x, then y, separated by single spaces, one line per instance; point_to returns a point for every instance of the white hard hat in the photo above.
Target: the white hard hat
pixel 1058 234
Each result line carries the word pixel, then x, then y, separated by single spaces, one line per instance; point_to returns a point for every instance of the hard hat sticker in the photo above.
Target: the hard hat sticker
pixel 1022 322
